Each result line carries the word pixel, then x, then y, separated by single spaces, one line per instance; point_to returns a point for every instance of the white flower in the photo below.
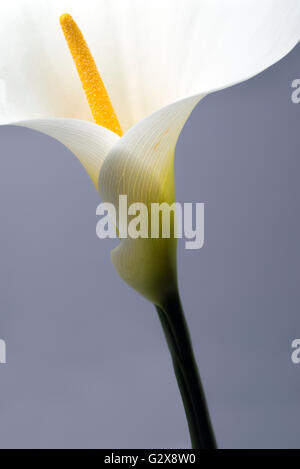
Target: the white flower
pixel 157 58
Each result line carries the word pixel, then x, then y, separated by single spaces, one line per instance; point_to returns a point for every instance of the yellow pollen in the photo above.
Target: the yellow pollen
pixel 97 96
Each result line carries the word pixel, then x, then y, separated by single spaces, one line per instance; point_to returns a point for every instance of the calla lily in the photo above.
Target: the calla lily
pixel 157 60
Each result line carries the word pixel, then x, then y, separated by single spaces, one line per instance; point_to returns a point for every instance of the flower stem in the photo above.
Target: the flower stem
pixel 176 331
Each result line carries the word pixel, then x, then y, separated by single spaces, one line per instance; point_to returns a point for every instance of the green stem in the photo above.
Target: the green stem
pixel 176 331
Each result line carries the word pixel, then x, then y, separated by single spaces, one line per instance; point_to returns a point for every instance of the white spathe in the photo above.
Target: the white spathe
pixel 150 53
pixel 89 142
pixel 157 58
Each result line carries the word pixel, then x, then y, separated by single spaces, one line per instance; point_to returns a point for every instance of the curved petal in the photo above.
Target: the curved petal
pixel 141 166
pixel 149 53
pixel 89 142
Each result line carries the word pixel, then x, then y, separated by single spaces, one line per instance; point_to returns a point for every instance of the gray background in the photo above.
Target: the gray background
pixel 87 363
